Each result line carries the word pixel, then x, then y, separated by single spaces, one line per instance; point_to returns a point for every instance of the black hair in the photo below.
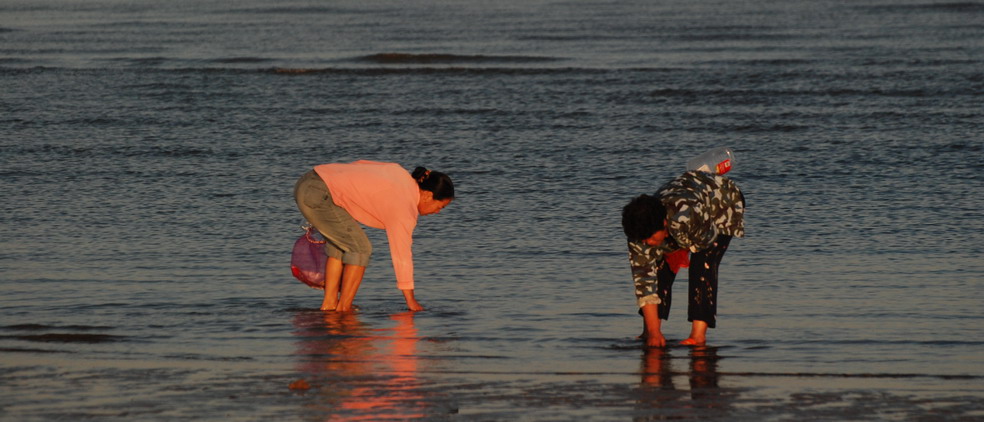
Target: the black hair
pixel 435 182
pixel 642 217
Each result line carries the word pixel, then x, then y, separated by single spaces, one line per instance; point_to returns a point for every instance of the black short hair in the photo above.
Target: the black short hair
pixel 435 182
pixel 642 217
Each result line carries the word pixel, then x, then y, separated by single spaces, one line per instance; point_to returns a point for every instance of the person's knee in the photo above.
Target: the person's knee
pixel 357 258
pixel 333 252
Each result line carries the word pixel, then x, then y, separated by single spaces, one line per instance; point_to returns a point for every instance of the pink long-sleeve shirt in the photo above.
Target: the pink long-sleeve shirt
pixel 383 196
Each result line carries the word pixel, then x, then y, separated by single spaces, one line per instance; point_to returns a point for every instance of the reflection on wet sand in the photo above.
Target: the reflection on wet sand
pixel 360 372
pixel 659 396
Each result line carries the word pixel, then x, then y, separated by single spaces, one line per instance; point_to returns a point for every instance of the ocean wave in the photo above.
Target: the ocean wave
pixel 750 94
pixel 738 36
pixel 435 58
pixel 66 338
pixel 140 61
pixel 11 66
pixel 432 70
pixel 569 38
pixel 40 333
pixel 237 60
pixel 43 327
pixel 303 10
pixel 27 350
pixel 765 62
pixel 6 61
pixel 173 151
pixel 954 7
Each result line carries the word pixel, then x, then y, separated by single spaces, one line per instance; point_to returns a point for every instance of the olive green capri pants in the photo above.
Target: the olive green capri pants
pixel 346 240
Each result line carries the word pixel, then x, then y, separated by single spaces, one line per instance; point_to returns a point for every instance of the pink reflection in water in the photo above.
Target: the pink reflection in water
pixel 362 373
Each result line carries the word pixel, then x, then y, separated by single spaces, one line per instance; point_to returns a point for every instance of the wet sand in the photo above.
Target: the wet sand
pixel 347 367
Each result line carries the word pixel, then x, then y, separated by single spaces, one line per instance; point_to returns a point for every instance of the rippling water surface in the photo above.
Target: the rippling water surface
pixel 149 152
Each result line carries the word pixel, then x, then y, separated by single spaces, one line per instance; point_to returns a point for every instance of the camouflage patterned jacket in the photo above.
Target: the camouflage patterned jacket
pixel 699 207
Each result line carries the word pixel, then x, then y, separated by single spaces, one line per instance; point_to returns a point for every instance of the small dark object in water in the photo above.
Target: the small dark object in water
pixel 300 384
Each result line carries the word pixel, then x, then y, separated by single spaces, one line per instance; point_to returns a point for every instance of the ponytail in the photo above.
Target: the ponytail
pixel 435 182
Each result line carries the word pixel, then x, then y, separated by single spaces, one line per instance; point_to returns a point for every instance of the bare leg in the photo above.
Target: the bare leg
pixel 333 276
pixel 698 334
pixel 351 279
pixel 652 327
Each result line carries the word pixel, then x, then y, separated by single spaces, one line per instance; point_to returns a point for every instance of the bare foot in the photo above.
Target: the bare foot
pixel 655 340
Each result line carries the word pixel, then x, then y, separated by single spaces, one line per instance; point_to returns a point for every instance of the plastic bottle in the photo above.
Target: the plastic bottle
pixel 718 160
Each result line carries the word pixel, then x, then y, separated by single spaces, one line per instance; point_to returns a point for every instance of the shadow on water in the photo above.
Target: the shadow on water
pixel 661 392
pixel 355 371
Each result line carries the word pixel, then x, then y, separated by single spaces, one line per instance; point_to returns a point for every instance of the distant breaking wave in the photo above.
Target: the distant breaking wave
pixel 431 70
pixel 404 58
pixel 953 7
pixel 234 60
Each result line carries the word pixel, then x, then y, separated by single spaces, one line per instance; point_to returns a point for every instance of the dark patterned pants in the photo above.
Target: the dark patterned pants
pixel 703 286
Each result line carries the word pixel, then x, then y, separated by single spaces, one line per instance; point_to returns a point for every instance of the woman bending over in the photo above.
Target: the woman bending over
pixel 336 198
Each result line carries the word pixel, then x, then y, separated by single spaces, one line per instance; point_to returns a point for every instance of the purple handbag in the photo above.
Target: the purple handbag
pixel 307 260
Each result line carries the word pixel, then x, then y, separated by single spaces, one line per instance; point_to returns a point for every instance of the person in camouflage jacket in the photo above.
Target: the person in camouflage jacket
pixel 697 212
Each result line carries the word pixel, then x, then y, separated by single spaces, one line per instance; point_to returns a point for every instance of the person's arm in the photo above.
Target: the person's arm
pixel 400 241
pixel 400 237
pixel 643 261
pixel 411 301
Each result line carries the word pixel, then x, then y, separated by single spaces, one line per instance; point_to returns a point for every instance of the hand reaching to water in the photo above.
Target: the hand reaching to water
pixel 411 301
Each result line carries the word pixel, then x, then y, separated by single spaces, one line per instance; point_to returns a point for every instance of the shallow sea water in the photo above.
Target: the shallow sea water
pixel 149 153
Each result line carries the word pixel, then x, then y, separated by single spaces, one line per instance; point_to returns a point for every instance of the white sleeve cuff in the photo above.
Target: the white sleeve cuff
pixel 649 300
